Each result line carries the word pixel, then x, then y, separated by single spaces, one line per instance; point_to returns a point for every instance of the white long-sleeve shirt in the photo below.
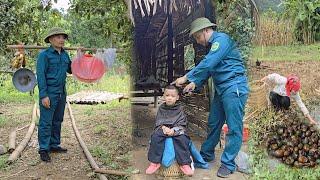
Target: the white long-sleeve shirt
pixel 279 83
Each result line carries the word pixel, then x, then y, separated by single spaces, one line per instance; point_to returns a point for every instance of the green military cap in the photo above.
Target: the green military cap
pixel 200 23
pixel 55 31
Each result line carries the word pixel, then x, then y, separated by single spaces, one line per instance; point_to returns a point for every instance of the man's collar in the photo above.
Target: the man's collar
pixel 51 49
pixel 212 37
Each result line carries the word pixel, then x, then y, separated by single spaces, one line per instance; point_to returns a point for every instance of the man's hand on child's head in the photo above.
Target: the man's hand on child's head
pixel 181 80
pixel 189 88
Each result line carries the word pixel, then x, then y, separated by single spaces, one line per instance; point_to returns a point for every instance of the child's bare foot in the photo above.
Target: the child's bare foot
pixel 186 169
pixel 153 167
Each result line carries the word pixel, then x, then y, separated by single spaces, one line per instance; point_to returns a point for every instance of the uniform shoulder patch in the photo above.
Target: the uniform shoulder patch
pixel 215 46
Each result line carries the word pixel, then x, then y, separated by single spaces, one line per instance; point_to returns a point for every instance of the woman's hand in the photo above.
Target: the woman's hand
pixel 263 79
pixel 312 121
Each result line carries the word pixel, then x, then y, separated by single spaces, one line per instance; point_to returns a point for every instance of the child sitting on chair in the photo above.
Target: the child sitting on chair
pixel 171 121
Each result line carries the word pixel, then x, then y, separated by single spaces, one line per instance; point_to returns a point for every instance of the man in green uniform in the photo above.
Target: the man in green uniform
pixel 225 65
pixel 52 65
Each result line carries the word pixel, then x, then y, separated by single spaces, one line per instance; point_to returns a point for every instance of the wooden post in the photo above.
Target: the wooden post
pixel 209 11
pixel 114 172
pixel 154 60
pixel 170 45
pixel 12 141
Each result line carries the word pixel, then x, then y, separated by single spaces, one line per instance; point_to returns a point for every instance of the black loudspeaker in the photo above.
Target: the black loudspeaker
pixel 24 80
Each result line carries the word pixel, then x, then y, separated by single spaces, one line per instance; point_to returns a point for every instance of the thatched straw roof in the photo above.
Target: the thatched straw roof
pixel 150 7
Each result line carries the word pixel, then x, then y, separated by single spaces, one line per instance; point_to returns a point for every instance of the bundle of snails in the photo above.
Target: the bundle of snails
pixel 295 143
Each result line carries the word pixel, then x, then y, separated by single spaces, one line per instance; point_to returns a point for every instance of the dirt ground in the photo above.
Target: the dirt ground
pixel 307 71
pixel 103 128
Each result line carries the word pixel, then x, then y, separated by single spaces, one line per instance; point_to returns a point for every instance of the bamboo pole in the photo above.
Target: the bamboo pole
pixel 83 145
pixel 22 128
pixel 45 47
pixel 113 172
pixel 12 141
pixel 6 72
pixel 16 153
pixel 38 113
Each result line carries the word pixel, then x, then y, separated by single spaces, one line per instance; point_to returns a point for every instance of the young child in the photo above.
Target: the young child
pixel 171 121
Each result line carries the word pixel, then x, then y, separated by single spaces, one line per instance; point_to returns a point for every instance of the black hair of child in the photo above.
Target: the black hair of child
pixel 179 91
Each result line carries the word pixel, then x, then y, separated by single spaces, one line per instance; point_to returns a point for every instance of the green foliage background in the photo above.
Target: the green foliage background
pixel 102 24
pixel 305 15
pixel 274 5
pixel 234 18
pixel 96 24
pixel 99 24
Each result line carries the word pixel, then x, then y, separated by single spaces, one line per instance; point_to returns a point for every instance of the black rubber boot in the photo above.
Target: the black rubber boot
pixel 44 156
pixel 58 150
pixel 223 172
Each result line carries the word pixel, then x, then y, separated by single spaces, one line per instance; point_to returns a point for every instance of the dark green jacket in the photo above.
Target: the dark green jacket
pixel 51 71
pixel 172 117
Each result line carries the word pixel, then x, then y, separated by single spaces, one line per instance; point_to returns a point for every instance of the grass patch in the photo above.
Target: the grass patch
pixel 261 170
pixel 124 130
pixel 104 156
pixel 21 116
pixel 123 104
pixel 112 105
pixel 100 129
pixel 23 111
pixel 3 120
pixel 115 104
pixel 3 162
pixel 287 53
pixel 89 111
pixel 8 93
pixel 110 82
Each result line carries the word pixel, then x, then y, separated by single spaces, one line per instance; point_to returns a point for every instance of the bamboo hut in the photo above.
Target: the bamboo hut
pixel 161 35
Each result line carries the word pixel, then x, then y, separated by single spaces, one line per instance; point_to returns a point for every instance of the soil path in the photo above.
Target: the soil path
pixel 63 166
pixel 94 124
